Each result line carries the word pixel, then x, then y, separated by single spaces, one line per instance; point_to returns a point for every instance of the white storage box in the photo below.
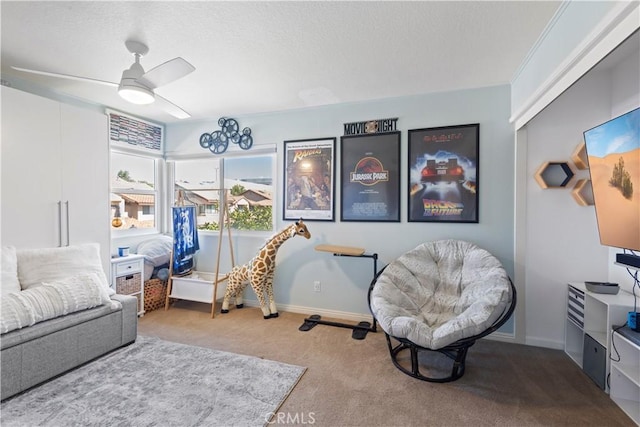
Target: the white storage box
pixel 197 286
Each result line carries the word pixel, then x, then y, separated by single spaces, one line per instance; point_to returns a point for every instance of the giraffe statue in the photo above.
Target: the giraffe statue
pixel 259 272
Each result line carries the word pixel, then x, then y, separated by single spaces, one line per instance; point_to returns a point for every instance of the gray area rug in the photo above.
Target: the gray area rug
pixel 158 383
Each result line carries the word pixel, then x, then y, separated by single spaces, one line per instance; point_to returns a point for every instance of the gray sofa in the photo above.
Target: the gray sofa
pixel 40 352
pixel 57 312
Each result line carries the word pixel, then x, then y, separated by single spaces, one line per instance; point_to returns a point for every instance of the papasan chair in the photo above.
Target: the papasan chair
pixel 440 297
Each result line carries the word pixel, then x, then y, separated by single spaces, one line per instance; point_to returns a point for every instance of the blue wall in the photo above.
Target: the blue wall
pixel 345 280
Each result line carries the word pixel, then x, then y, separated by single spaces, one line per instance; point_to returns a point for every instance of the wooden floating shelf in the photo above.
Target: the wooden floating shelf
pixel 579 157
pixel 554 175
pixel 583 193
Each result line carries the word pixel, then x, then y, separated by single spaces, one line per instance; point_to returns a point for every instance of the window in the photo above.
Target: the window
pixel 248 179
pixel 250 184
pixel 133 192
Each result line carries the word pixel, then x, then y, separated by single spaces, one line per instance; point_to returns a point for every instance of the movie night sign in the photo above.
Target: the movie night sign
pixel 370 126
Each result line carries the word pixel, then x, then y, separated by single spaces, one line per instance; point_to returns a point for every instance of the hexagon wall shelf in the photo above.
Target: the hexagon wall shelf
pixel 583 193
pixel 579 157
pixel 554 175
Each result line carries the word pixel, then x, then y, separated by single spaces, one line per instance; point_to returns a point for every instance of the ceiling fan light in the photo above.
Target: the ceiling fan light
pixel 136 94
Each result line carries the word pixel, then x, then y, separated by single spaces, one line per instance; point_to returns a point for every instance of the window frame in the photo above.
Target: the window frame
pixel 264 152
pixel 157 192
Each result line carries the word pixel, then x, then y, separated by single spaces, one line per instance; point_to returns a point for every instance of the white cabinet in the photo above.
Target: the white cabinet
pixel 589 323
pixel 31 186
pixel 625 372
pixel 126 277
pixel 55 173
pixel 85 176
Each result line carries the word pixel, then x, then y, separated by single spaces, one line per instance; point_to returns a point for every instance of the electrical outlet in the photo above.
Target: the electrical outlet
pixel 316 286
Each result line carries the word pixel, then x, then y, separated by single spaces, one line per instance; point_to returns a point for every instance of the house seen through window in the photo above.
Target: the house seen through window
pixel 248 181
pixel 134 194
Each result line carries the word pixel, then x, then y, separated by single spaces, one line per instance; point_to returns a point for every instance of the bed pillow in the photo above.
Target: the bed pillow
pixel 36 266
pixel 156 252
pixel 9 277
pixel 50 300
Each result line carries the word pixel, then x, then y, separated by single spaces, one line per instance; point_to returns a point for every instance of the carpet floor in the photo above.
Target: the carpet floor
pixel 353 383
pixel 159 383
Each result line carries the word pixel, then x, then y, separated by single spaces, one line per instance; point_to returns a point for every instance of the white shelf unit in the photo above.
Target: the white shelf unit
pixel 197 286
pixel 574 328
pixel 625 372
pixel 600 312
pixel 126 277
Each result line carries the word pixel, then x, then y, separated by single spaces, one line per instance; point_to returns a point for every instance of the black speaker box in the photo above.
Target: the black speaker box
pixel 628 259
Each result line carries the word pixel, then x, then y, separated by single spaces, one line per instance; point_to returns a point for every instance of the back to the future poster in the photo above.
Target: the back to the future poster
pixel 443 174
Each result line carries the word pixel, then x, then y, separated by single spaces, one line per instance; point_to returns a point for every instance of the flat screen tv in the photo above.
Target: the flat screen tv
pixel 613 153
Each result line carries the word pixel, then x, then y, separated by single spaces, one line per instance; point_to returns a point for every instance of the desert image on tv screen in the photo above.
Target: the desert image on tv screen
pixel 613 151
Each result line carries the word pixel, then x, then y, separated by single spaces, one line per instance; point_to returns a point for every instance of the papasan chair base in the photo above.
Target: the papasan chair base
pixel 456 352
pixel 457 356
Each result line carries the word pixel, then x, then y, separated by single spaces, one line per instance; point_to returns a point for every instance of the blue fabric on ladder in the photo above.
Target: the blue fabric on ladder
pixel 185 239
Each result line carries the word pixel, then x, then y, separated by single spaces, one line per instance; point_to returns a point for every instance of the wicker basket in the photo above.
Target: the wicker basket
pixel 155 291
pixel 126 285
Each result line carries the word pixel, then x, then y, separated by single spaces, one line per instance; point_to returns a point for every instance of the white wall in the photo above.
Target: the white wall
pixel 571 24
pixel 561 237
pixel 554 235
pixel 344 280
pixel 562 242
pixel 576 39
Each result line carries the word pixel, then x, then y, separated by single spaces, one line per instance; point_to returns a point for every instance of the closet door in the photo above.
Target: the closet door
pixel 85 178
pixel 31 174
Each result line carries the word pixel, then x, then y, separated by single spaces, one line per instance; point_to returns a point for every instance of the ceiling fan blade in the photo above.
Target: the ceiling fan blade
pixel 166 73
pixel 66 76
pixel 171 108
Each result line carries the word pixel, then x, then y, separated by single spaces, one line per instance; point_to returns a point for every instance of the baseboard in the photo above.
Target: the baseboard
pixel 540 342
pixel 501 336
pixel 357 317
pixel 342 315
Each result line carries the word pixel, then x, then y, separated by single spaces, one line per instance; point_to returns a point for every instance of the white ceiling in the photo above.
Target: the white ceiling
pixel 254 57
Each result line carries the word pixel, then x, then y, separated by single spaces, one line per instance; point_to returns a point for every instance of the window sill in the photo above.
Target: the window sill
pixel 133 232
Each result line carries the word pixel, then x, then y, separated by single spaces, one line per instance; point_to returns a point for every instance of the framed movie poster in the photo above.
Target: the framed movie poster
pixel 370 177
pixel 443 174
pixel 309 179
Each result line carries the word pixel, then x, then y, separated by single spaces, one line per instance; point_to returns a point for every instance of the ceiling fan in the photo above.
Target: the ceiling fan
pixel 136 86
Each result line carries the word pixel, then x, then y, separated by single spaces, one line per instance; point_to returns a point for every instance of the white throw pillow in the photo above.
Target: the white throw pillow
pixel 36 266
pixel 9 278
pixel 51 300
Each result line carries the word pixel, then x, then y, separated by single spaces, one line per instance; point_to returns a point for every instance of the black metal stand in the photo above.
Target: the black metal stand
pixel 456 351
pixel 361 329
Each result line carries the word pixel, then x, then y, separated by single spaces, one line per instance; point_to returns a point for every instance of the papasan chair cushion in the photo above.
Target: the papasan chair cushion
pixel 441 292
